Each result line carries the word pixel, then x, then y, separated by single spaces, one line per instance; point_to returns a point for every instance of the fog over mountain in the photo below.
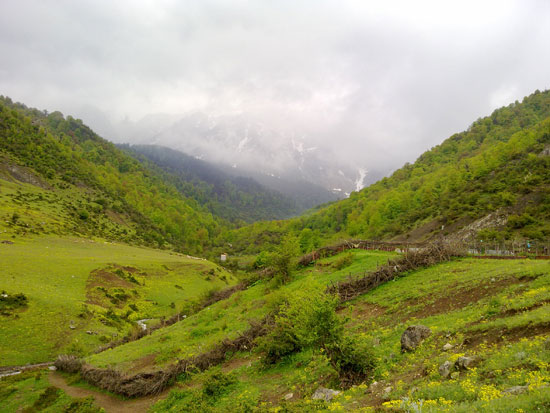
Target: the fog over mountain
pixel 330 91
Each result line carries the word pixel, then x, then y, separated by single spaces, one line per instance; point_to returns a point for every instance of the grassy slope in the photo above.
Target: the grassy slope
pixel 53 272
pixel 23 391
pixel 223 319
pixel 494 310
pixel 98 189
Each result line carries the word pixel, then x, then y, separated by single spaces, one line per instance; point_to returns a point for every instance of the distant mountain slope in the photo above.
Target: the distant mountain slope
pixel 58 176
pixel 490 182
pixel 255 147
pixel 231 197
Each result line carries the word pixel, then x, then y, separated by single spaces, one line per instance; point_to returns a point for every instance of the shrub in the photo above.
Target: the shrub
pixel 353 359
pixel 263 260
pixel 344 261
pixel 217 383
pixel 308 318
pixel 85 405
pixel 46 399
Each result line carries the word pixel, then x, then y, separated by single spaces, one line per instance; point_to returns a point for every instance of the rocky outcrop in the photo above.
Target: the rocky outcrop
pixel 324 394
pixel 445 369
pixel 413 336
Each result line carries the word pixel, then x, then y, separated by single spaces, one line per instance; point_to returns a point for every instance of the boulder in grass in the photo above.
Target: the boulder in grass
pixel 445 369
pixel 464 363
pixel 515 390
pixel 413 336
pixel 324 394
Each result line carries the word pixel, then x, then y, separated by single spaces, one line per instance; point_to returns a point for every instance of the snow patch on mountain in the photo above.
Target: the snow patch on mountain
pixel 359 183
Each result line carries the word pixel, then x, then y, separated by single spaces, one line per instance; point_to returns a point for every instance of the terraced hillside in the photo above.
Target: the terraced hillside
pixel 488 347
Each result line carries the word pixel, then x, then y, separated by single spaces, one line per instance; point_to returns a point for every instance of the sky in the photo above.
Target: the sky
pixel 372 82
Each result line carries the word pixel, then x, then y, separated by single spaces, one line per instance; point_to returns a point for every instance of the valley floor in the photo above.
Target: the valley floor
pixel 495 313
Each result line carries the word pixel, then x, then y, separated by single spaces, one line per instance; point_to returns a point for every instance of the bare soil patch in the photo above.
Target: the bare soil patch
pixel 497 336
pixel 459 298
pixel 106 278
pixel 363 311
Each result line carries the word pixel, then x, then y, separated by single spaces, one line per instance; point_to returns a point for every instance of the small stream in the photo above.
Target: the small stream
pixel 142 324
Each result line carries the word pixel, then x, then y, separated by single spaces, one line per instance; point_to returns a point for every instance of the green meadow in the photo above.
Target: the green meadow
pixel 55 275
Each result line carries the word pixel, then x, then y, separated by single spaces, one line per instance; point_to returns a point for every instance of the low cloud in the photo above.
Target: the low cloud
pixel 375 84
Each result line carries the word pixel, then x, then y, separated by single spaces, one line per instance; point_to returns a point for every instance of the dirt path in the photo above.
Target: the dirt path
pixel 110 403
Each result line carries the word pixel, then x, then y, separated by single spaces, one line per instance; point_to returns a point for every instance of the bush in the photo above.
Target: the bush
pixel 308 318
pixel 217 383
pixel 85 405
pixel 46 399
pixel 344 261
pixel 353 359
pixel 263 260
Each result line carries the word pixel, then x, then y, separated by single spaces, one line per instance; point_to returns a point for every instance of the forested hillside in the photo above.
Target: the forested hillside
pixel 499 166
pixel 78 183
pixel 233 198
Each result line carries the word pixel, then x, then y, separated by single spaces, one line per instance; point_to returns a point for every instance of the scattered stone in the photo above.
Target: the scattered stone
pixel 288 396
pixel 455 375
pixel 516 390
pixel 445 369
pixel 521 355
pixel 373 387
pixel 413 336
pixel 463 363
pixel 387 391
pixel 324 394
pixel 545 151
pixel 493 279
pixel 52 368
pixel 448 347
pixel 72 327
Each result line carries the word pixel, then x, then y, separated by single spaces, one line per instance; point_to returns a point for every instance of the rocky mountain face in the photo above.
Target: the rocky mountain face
pixel 252 148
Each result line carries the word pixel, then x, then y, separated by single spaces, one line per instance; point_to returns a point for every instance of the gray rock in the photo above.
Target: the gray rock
pixel 455 375
pixel 52 368
pixel 448 347
pixel 521 355
pixel 324 394
pixel 516 390
pixel 288 396
pixel 387 390
pixel 445 369
pixel 373 387
pixel 413 336
pixel 463 363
